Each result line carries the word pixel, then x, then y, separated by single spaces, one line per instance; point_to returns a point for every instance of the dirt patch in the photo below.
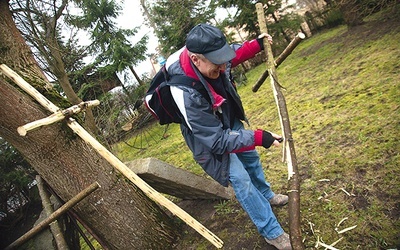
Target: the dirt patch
pixel 227 220
pixel 359 202
pixel 394 212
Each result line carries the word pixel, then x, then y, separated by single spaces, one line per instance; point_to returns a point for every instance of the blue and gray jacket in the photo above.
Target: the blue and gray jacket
pixel 207 129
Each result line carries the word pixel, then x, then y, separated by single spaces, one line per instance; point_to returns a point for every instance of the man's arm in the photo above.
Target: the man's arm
pixel 249 49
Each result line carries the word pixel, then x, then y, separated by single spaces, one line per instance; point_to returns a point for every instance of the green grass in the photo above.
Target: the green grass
pixel 343 97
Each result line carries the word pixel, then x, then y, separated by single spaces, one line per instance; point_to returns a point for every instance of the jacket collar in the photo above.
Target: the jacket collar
pixel 189 70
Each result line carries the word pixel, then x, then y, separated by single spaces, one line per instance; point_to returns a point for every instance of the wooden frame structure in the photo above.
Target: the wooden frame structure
pixel 112 159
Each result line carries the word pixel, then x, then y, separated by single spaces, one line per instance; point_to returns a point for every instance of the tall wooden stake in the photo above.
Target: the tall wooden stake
pixel 114 161
pixel 289 152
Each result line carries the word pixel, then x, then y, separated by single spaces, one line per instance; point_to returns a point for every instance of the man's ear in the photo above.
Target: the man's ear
pixel 195 59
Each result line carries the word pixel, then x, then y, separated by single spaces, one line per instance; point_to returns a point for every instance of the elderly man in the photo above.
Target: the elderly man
pixel 213 128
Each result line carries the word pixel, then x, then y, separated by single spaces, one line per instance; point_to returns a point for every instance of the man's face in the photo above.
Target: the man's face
pixel 206 67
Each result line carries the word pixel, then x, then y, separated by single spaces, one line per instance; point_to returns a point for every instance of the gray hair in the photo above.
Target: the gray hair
pixel 201 56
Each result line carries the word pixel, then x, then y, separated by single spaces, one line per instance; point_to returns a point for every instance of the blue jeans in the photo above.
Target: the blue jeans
pixel 253 192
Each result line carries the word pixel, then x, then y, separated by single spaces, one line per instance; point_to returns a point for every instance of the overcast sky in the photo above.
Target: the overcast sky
pixel 130 18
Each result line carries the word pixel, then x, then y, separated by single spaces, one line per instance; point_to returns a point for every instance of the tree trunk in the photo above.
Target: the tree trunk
pixel 118 212
pixel 136 76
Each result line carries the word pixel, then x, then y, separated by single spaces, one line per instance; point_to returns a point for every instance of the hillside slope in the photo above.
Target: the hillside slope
pixel 343 97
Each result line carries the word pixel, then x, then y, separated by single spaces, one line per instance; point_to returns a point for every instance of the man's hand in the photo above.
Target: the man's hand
pixel 266 139
pixel 263 35
pixel 278 139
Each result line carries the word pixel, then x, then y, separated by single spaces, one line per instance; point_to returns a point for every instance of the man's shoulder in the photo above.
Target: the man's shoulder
pixel 173 60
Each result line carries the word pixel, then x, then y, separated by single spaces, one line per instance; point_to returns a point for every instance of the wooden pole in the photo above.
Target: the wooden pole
pixel 58 116
pixel 54 216
pixel 48 208
pixel 288 50
pixel 116 163
pixel 290 155
pixel 74 218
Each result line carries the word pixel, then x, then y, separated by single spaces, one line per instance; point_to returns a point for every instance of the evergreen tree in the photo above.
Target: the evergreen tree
pixel 16 177
pixel 174 19
pixel 282 25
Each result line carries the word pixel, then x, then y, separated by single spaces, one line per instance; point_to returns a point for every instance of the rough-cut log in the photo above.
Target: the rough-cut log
pixel 288 50
pixel 48 208
pixel 290 155
pixel 54 216
pixel 58 116
pixel 116 163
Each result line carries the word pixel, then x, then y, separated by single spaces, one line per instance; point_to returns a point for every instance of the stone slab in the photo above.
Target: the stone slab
pixel 177 182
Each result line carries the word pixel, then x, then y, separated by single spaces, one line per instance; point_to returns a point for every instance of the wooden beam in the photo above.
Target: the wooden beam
pixel 81 232
pixel 285 53
pixel 115 162
pixel 54 216
pixel 57 116
pixel 289 152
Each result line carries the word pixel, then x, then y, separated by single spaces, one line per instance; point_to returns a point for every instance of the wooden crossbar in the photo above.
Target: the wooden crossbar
pixel 57 116
pixel 285 53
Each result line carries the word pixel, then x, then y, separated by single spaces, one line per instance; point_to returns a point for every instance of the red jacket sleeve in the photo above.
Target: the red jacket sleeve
pixel 248 50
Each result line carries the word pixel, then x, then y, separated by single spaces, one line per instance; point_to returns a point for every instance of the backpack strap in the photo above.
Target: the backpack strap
pixel 182 80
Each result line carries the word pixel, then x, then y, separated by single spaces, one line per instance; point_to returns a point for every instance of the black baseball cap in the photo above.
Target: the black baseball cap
pixel 211 42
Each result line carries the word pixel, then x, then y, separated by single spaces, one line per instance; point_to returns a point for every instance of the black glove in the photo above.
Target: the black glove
pixel 263 138
pixel 267 139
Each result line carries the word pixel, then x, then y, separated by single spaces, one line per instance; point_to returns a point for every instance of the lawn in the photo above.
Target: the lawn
pixel 342 90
